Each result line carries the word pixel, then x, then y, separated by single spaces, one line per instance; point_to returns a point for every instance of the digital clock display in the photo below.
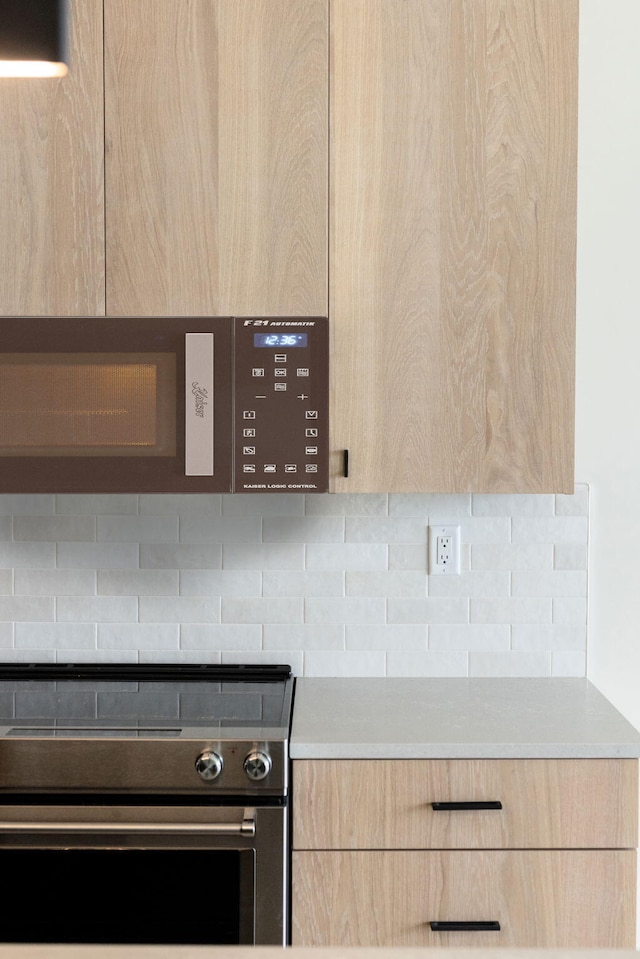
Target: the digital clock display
pixel 279 340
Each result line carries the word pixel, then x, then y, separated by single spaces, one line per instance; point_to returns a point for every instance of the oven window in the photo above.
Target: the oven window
pixel 188 896
pixel 87 404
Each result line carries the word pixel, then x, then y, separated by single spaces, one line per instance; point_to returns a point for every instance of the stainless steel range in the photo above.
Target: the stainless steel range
pixel 144 804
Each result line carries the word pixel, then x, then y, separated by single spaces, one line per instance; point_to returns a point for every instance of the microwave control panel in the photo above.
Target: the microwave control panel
pixel 281 391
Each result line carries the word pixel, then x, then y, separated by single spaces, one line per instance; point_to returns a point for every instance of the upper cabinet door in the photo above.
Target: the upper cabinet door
pixel 216 156
pixel 452 243
pixel 51 182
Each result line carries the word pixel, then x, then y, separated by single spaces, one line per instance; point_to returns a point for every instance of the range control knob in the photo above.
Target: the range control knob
pixel 209 765
pixel 257 765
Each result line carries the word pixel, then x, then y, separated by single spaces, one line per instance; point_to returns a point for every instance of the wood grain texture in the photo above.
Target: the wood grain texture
pixel 217 143
pixel 51 182
pixel 541 898
pixel 386 804
pixel 452 243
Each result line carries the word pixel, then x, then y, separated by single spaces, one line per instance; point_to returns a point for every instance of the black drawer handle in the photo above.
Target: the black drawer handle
pixel 445 806
pixel 465 926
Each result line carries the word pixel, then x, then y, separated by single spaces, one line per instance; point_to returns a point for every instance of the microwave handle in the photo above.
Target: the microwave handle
pixel 198 406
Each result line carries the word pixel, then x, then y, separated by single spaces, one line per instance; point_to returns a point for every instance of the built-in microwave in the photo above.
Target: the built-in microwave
pixel 164 404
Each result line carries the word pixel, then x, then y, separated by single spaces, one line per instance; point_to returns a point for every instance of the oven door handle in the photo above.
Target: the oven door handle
pixel 245 828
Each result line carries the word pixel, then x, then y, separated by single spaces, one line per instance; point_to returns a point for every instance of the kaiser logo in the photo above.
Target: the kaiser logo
pixel 201 398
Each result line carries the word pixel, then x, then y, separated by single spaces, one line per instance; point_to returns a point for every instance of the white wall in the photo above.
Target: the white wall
pixel 608 363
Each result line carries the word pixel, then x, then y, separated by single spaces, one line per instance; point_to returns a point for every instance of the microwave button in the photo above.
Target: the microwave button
pixel 249 468
pixel 269 467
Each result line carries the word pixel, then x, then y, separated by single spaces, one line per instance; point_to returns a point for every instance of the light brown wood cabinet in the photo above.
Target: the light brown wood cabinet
pixel 216 157
pixel 406 166
pixel 51 183
pixel 452 244
pixel 374 864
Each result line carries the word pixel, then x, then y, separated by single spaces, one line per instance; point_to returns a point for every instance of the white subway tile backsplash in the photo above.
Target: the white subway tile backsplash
pixel 333 585
pixel 301 583
pixel 431 663
pixel 510 664
pixel 143 636
pixel 391 636
pixel 97 504
pixel 304 636
pixel 55 635
pixel 47 529
pixel 263 556
pixel 178 609
pixel 554 637
pixel 510 556
pixel 220 582
pixel 576 504
pixel 96 609
pixel 182 504
pixel 554 529
pixel 96 555
pixel 55 582
pixel 138 582
pixel 474 583
pixel 212 637
pixel 453 505
pixel 220 529
pixel 345 610
pixel 263 610
pixel 568 664
pixel 137 529
pixel 390 529
pixel 543 583
pixel 511 610
pixel 15 504
pixel 470 637
pixel 27 555
pixel 570 556
pixel 303 529
pixel 428 610
pixel 347 556
pixel 348 504
pixel 409 583
pixel 348 663
pixel 512 504
pixel 263 504
pixel 570 611
pixel 25 609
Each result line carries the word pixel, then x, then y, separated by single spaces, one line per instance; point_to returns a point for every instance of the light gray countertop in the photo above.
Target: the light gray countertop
pixel 457 718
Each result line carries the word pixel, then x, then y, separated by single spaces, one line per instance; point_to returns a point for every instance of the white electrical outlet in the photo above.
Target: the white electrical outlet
pixel 444 550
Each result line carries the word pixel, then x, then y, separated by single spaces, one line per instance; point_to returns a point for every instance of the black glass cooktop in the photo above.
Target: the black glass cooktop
pixel 95 700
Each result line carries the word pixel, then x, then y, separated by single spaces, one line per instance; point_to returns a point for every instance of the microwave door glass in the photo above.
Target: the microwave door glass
pixel 87 404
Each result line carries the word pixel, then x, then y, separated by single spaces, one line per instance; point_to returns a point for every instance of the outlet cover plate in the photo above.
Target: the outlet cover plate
pixel 444 550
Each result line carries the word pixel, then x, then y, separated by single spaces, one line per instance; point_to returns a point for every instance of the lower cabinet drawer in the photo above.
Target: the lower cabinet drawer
pixel 540 898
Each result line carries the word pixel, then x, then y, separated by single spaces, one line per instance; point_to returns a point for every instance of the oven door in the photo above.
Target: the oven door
pixel 209 875
pixel 115 405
